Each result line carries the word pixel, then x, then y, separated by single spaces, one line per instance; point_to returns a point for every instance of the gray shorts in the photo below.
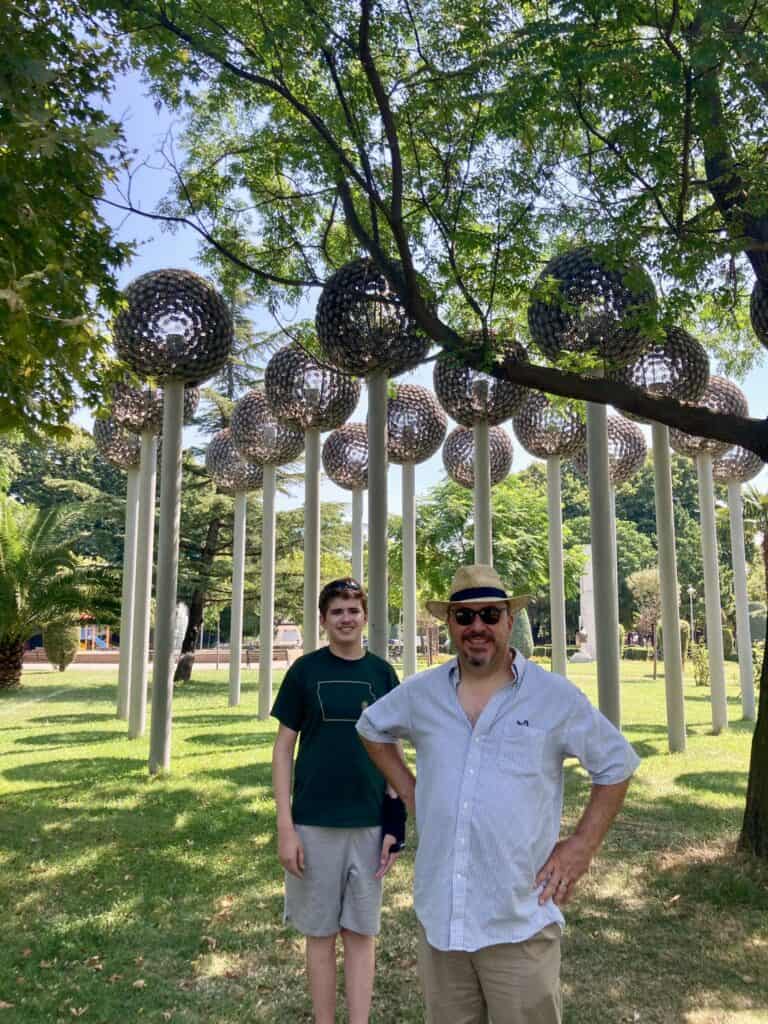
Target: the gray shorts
pixel 338 889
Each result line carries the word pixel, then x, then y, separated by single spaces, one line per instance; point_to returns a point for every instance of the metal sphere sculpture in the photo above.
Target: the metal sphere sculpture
pixel 470 396
pixel 259 437
pixel 721 396
pixel 591 309
pixel 362 324
pixel 546 430
pixel 416 424
pixel 345 456
pixel 459 455
pixel 118 445
pixel 176 326
pixel 141 409
pixel 737 465
pixel 758 311
pixel 677 367
pixel 301 391
pixel 228 469
pixel 627 450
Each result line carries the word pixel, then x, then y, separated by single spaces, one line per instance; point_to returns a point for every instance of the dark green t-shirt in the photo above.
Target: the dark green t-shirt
pixel 322 696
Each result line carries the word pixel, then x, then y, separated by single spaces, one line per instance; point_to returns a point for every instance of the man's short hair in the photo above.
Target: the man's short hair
pixel 347 588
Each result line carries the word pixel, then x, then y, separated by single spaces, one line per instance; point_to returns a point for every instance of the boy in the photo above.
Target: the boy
pixel 341 832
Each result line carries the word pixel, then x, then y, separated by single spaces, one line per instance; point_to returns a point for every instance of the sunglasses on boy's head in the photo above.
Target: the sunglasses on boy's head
pixel 490 615
pixel 339 586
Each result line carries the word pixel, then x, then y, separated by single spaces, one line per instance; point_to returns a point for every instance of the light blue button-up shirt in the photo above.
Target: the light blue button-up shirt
pixel 489 799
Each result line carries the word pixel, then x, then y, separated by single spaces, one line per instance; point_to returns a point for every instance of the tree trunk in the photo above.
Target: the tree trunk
pixel 11 660
pixel 754 828
pixel 186 661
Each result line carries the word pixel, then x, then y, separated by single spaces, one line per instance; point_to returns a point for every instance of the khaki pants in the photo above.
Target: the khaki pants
pixel 512 983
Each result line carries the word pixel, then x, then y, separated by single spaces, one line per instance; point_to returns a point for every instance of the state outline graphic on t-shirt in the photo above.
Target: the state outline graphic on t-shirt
pixel 346 702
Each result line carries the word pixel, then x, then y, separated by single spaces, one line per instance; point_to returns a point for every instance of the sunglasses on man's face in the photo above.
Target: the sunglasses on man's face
pixel 490 615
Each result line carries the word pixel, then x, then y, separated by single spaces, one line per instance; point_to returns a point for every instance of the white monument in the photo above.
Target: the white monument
pixel 587 634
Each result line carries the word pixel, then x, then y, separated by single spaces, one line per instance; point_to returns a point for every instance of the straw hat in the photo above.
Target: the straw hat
pixel 477 584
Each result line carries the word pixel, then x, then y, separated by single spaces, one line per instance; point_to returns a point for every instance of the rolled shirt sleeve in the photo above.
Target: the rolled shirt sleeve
pixel 599 746
pixel 389 719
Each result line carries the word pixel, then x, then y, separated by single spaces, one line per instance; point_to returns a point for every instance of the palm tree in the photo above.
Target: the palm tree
pixel 41 579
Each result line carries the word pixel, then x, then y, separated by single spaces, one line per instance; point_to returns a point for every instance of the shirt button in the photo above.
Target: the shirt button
pixel 471 771
pixel 466 804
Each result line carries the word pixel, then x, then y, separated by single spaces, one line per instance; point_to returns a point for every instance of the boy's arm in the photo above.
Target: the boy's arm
pixel 290 850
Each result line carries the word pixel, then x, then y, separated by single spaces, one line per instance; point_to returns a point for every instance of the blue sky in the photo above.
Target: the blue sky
pixel 145 128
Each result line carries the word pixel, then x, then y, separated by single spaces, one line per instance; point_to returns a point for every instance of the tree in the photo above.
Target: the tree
pixel 42 581
pixel 646 593
pixel 61 640
pixel 58 256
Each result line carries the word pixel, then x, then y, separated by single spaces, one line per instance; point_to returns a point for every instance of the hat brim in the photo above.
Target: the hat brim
pixel 440 608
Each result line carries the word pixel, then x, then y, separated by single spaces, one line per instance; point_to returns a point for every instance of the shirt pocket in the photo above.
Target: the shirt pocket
pixel 521 750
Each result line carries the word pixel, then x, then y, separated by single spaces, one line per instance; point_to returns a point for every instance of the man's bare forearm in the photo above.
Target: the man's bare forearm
pixel 389 759
pixel 605 802
pixel 282 770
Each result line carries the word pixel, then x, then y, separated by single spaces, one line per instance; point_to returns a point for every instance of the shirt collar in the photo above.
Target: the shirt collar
pixel 518 668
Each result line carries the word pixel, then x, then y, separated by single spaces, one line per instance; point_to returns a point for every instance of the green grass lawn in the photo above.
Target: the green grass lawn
pixel 129 899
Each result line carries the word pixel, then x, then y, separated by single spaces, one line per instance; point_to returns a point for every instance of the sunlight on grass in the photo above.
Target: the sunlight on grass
pixel 135 899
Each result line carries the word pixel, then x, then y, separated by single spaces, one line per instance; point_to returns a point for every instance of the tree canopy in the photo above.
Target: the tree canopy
pixel 58 256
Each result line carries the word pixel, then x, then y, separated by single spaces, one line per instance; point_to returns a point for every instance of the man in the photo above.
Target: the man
pixel 341 833
pixel 491 732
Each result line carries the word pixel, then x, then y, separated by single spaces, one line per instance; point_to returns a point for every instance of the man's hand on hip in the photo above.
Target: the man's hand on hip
pixel 290 851
pixel 568 861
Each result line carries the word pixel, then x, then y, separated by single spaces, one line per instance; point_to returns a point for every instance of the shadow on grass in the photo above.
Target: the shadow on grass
pixel 231 740
pixel 75 719
pixel 733 783
pixel 72 739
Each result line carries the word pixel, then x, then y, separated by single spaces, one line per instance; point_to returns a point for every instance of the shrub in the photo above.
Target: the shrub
pixel 700 659
pixel 685 637
pixel 521 637
pixel 61 641
pixel 622 635
pixel 637 653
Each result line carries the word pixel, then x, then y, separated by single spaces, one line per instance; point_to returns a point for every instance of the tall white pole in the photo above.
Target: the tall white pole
pixel 267 616
pixel 482 495
pixel 603 560
pixel 670 610
pixel 712 594
pixel 311 539
pixel 128 592
pixel 743 635
pixel 556 570
pixel 357 535
pixel 238 584
pixel 167 578
pixel 137 718
pixel 409 569
pixel 378 585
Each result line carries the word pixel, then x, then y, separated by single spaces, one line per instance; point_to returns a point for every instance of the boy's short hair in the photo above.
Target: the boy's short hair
pixel 345 587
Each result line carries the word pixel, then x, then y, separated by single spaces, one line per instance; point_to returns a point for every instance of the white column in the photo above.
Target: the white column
pixel 378 587
pixel 128 592
pixel 267 615
pixel 670 599
pixel 311 539
pixel 743 635
pixel 712 594
pixel 167 578
pixel 238 584
pixel 482 495
pixel 556 571
pixel 137 719
pixel 357 536
pixel 603 560
pixel 409 569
